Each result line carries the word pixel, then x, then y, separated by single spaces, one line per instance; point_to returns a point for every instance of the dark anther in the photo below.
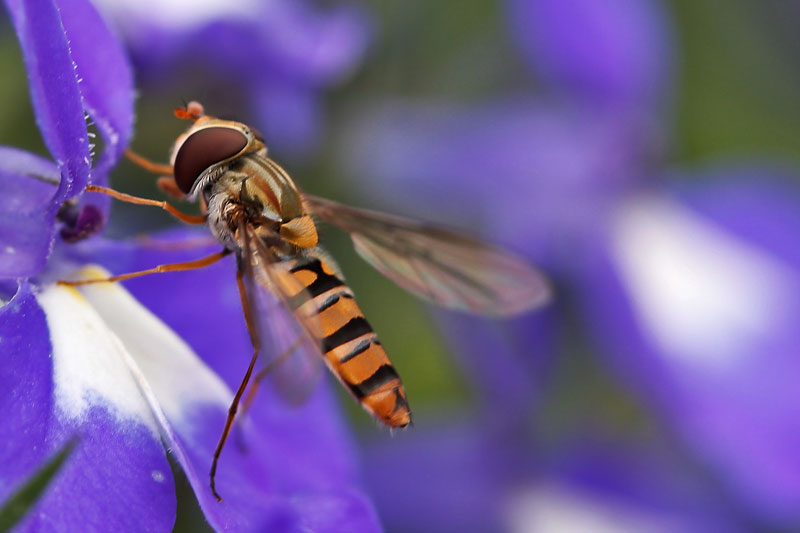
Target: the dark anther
pixel 80 222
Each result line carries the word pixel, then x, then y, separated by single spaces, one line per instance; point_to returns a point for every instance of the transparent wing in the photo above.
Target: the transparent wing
pixel 290 355
pixel 447 268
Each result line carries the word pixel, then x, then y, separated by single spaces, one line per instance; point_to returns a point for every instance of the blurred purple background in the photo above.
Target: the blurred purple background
pixel 643 153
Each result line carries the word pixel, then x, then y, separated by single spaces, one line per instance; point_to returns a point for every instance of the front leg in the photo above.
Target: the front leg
pixel 166 180
pixel 172 210
pixel 171 267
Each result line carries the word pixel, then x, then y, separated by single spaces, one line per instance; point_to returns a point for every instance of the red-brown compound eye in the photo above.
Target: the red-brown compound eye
pixel 203 149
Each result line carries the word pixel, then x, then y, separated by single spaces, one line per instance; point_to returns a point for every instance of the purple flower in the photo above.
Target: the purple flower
pixel 703 283
pixel 467 477
pixel 689 286
pixel 617 53
pixel 97 365
pixel 276 56
pixel 65 89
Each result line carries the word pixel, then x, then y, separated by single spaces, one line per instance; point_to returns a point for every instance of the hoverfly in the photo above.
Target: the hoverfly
pixel 294 296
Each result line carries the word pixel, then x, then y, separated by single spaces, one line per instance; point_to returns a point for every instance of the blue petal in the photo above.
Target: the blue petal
pixel 25 241
pixel 16 161
pixel 472 477
pixel 26 374
pixel 700 317
pixel 645 483
pixel 616 50
pixel 348 510
pixel 75 66
pixel 294 50
pixel 449 479
pixel 287 40
pixel 118 478
pixel 511 379
pixel 55 94
pixel 106 80
pixel 317 46
pixel 289 116
pixel 117 469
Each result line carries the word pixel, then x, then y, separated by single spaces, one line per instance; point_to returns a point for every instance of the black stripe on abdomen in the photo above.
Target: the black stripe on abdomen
pixel 384 374
pixel 362 347
pixel 323 282
pixel 355 328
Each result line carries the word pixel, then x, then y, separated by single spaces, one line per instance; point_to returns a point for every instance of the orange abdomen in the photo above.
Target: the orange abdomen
pixel 350 346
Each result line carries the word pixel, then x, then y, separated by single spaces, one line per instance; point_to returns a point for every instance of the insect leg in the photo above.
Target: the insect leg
pixel 166 182
pixel 172 210
pixel 172 267
pixel 257 379
pixel 168 186
pixel 155 168
pixel 254 339
pixel 264 372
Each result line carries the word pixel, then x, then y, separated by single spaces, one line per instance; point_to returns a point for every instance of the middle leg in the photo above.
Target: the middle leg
pixel 256 342
pixel 264 372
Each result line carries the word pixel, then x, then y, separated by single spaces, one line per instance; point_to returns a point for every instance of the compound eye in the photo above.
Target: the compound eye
pixel 203 149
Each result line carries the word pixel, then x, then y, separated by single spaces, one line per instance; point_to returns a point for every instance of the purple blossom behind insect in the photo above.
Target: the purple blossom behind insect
pixel 689 291
pixel 281 55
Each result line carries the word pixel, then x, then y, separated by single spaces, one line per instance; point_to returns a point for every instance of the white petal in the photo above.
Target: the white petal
pixel 89 361
pixel 175 13
pixel 179 379
pixel 703 295
pixel 110 350
pixel 552 509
